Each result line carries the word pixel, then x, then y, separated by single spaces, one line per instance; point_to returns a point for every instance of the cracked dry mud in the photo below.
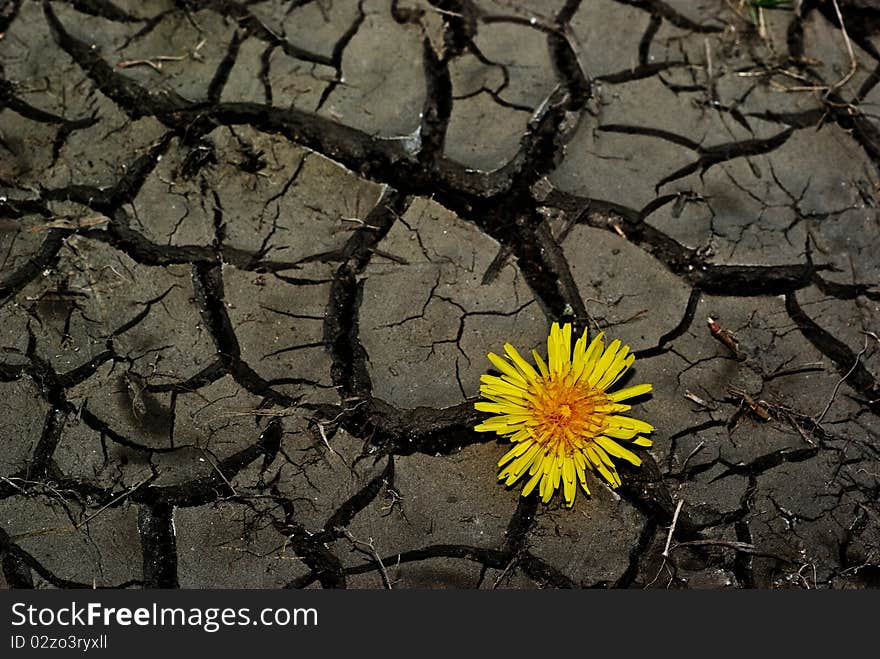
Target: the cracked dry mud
pixel 254 253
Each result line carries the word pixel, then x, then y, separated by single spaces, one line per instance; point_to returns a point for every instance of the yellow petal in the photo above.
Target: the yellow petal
pixel 542 366
pixel 505 419
pixel 525 368
pixel 622 361
pixel 580 347
pixel 601 467
pixel 543 487
pixel 630 392
pixel 628 422
pixel 566 345
pixel 603 456
pixel 568 470
pixel 620 433
pixel 497 408
pixel 538 465
pixel 508 370
pixel 548 490
pixel 504 399
pixel 617 450
pixel 582 474
pixel 559 348
pixel 569 490
pixel 578 363
pixel 496 384
pixel 488 427
pixel 556 473
pixel 604 362
pixel 553 348
pixel 520 436
pixel 516 451
pixel 626 365
pixel 591 358
pixel 519 466
pixel 527 490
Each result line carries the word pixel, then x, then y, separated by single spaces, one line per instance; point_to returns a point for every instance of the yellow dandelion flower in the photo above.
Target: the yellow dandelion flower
pixel 560 416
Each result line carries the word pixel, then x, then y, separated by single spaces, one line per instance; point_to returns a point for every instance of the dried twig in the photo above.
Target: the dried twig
pixel 744 547
pixel 726 337
pixel 827 89
pixel 371 549
pixel 73 223
pixel 732 544
pixel 154 62
pixel 758 407
pixel 286 411
pixel 359 221
pixel 327 441
pixel 697 449
pixel 699 401
pixel 219 471
pixel 667 559
pixel 665 553
pixel 73 526
pixel 804 579
pixel 837 386
pixel 853 66
pixel 708 49
pixel 116 500
pixel 504 573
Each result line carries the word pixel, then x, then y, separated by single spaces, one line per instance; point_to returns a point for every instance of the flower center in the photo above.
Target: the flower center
pixel 563 412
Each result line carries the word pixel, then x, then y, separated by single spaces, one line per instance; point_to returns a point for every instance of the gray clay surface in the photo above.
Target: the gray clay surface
pixel 253 255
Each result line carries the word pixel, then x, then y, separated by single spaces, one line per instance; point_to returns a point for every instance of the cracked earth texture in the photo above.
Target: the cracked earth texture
pixel 254 254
